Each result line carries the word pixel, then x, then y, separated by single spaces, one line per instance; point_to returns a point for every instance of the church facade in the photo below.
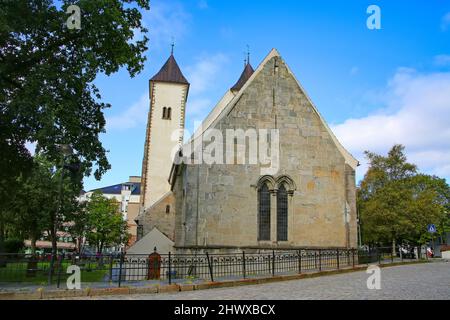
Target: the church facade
pixel 308 200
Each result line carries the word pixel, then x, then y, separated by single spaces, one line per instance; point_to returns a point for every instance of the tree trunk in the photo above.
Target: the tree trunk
pixel 394 251
pixel 2 243
pixel 54 238
pixel 33 245
pixel 80 239
pixel 32 263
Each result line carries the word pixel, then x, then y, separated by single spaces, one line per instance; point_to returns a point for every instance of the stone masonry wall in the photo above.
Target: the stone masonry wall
pixel 217 204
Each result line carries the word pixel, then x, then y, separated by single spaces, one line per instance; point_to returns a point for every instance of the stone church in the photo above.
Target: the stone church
pixel 189 206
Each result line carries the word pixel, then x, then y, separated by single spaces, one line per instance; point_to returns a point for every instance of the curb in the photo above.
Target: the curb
pixel 41 293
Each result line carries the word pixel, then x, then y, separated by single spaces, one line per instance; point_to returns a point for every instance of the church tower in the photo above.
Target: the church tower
pixel 168 94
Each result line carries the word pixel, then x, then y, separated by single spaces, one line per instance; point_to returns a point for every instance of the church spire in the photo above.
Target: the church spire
pixel 246 74
pixel 170 72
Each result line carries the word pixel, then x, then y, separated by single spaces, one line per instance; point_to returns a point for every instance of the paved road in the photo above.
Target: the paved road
pixel 422 281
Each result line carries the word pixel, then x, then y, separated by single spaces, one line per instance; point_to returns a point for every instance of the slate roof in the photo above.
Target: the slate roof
pixel 170 72
pixel 246 74
pixel 117 189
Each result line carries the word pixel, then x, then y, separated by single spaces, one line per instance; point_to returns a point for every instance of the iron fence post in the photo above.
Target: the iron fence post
pixel 299 261
pixel 273 263
pixel 243 264
pixel 392 257
pixel 320 260
pixel 120 268
pixel 170 271
pixel 378 255
pixel 111 259
pixel 353 258
pixel 337 255
pixel 50 270
pixel 210 267
pixel 61 259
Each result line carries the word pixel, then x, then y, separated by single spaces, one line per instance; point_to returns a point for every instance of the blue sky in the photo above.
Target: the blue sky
pixel 374 87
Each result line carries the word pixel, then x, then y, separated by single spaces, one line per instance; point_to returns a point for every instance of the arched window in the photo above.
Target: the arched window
pixel 282 214
pixel 164 115
pixel 168 209
pixel 264 213
pixel 169 113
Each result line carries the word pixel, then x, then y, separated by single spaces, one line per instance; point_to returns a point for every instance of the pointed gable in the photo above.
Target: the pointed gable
pixel 170 72
pixel 224 109
pixel 246 74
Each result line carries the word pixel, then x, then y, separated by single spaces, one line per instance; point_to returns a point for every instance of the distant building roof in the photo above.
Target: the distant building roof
pixel 246 74
pixel 170 72
pixel 117 189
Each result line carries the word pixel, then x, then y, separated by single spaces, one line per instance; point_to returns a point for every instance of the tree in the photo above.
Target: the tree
pixel 396 202
pixel 79 223
pixel 47 95
pixel 35 201
pixel 106 225
pixel 42 201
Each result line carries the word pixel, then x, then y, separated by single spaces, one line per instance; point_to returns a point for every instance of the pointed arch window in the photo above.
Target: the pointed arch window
pixel 164 115
pixel 282 213
pixel 264 213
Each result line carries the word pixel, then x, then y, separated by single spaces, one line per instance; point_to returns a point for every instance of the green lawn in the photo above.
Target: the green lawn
pixel 17 272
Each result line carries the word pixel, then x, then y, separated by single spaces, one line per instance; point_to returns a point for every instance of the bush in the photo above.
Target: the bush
pixel 13 245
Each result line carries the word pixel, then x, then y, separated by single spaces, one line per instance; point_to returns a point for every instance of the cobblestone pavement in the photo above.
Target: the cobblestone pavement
pixel 422 281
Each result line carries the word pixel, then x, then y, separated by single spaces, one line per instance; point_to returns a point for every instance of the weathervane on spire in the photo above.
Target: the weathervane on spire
pixel 248 54
pixel 172 45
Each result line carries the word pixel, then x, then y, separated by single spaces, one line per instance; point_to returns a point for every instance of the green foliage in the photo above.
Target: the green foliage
pixel 47 72
pixel 34 204
pixel 13 245
pixel 397 203
pixel 106 226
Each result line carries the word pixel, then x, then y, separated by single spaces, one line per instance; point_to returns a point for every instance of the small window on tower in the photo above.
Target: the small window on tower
pixel 164 115
pixel 169 113
pixel 168 209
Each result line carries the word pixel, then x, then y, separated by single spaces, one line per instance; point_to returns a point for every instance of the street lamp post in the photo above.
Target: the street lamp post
pixel 66 151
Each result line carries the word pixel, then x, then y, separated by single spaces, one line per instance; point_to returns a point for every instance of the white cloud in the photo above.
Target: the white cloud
pixel 203 4
pixel 354 71
pixel 166 21
pixel 132 117
pixel 204 72
pixel 442 60
pixel 197 106
pixel 416 114
pixel 445 22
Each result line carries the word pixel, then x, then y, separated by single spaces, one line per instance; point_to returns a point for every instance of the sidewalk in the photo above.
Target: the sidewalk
pixel 33 292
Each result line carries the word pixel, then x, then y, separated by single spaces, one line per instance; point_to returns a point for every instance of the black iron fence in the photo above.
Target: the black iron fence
pixel 171 268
